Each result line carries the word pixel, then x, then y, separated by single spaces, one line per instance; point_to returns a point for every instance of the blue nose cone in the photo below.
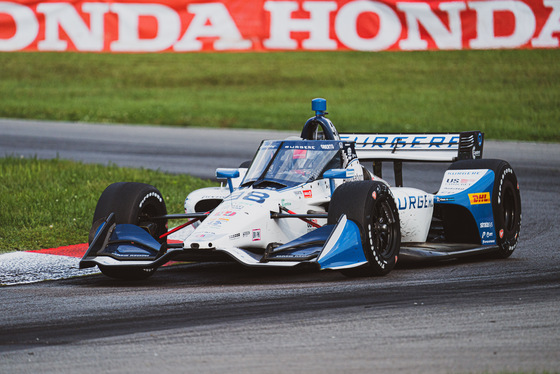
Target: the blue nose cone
pixel 319 106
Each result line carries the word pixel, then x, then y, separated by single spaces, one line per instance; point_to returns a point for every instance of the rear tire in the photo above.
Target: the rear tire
pixel 506 202
pixel 371 206
pixel 134 203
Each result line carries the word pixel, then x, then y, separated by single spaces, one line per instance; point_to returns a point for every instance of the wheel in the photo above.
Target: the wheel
pixel 506 202
pixel 371 206
pixel 134 203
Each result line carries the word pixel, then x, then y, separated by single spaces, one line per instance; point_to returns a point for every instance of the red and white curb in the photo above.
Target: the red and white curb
pixel 48 264
pixel 51 264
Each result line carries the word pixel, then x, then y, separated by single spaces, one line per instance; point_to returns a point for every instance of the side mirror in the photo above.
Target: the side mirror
pixel 228 174
pixel 333 174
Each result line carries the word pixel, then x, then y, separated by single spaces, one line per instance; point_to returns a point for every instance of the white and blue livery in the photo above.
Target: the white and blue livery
pixel 315 201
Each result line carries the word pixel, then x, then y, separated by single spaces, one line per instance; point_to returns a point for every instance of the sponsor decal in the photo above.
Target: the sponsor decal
pixel 245 25
pixel 299 146
pixel 506 172
pixel 237 206
pixel 208 197
pixel 256 234
pixel 380 261
pixel 479 198
pixel 374 195
pixel 299 154
pixel 258 197
pixel 285 203
pixel 308 194
pixel 444 199
pixel 327 146
pixel 354 171
pixel 474 173
pixel 226 213
pixel 415 202
pixel 251 196
pixel 488 242
pixel 218 222
pixel 501 233
pixel 151 194
pixel 246 233
pixel 463 181
pixel 204 234
pixel 487 234
pixel 291 256
pixel 486 225
pixel 413 141
pixel 455 181
pixel 127 255
pixel 235 236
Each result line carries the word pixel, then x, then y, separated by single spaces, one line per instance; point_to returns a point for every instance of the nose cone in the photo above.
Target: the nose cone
pixel 238 224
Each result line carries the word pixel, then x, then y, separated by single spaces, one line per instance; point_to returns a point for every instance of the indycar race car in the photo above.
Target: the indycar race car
pixel 311 201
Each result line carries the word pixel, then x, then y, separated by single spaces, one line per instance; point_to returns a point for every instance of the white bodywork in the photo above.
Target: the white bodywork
pixel 416 208
pixel 242 220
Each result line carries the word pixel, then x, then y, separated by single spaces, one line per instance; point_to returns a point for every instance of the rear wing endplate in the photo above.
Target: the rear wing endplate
pixel 437 147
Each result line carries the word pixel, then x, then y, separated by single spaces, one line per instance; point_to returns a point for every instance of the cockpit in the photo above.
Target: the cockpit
pixel 279 164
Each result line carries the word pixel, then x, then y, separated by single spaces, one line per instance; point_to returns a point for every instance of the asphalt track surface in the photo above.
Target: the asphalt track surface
pixel 192 151
pixel 470 316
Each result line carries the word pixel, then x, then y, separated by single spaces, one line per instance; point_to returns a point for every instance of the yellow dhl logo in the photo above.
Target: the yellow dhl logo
pixel 479 198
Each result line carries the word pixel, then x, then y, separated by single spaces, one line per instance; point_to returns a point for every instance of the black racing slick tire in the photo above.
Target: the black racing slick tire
pixel 506 202
pixel 134 203
pixel 372 207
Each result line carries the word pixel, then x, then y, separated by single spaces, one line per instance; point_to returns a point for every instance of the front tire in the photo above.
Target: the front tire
pixel 371 206
pixel 134 203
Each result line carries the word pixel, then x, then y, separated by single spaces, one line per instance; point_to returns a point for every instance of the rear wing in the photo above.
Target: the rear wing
pixel 437 147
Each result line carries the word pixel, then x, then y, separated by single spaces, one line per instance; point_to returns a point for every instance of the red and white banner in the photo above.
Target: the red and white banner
pixel 270 25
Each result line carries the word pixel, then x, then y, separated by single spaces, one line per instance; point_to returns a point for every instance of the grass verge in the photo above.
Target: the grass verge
pixel 50 203
pixel 509 94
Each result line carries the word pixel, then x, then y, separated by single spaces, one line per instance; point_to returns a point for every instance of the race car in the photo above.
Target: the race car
pixel 311 201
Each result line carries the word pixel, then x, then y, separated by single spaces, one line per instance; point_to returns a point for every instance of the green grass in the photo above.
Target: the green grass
pixel 509 94
pixel 50 203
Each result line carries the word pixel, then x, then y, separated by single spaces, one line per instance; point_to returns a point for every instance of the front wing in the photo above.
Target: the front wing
pixel 336 246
